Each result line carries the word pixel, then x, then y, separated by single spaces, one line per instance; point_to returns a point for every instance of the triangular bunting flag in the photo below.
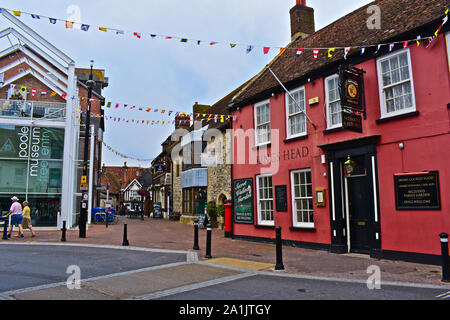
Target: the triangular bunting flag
pixel 299 52
pixel 316 53
pixel 266 50
pixel 346 51
pixel 330 52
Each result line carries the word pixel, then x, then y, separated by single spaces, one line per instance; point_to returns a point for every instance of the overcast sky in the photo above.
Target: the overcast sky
pixel 167 74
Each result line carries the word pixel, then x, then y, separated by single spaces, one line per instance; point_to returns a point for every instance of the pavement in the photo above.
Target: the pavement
pixel 172 235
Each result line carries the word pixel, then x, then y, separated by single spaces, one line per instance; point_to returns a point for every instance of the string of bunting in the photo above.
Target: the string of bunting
pixel 195 117
pixel 249 48
pixel 34 91
pixel 118 153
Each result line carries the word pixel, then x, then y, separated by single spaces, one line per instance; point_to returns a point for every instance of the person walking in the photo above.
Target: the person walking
pixel 26 222
pixel 16 217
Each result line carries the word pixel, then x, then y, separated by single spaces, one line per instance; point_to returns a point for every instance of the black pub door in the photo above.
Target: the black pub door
pixel 359 210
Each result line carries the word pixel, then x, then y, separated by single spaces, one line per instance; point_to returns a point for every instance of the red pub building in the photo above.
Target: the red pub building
pixel 373 180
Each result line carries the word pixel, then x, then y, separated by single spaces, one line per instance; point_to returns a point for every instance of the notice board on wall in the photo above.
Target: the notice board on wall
pixel 243 201
pixel 281 198
pixel 417 191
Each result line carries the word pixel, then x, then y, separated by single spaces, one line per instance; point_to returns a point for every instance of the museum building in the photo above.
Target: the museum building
pixel 348 151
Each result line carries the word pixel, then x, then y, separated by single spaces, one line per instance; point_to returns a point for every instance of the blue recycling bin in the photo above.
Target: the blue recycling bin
pixel 101 218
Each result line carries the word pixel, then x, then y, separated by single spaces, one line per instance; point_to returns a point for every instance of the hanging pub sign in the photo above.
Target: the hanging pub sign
pixel 159 167
pixel 351 121
pixel 351 90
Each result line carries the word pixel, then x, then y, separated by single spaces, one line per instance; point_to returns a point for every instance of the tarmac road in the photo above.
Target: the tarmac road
pixel 25 265
pixel 38 272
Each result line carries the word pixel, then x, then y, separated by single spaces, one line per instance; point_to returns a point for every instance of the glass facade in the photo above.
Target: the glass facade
pixel 31 163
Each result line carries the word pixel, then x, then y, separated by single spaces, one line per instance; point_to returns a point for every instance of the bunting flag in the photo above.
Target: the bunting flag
pixel 299 52
pixel 33 92
pixel 346 51
pixel 418 40
pixel 316 53
pixel 266 49
pixel 330 52
pixel 69 24
pixel 43 92
pixel 53 94
pixel 378 49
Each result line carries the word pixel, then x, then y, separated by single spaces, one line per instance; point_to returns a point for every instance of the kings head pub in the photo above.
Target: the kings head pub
pixel 353 150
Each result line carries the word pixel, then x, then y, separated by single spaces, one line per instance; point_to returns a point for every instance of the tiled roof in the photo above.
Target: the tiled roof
pixel 397 18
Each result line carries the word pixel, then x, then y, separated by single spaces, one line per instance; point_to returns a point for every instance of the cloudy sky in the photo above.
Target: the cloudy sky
pixel 167 74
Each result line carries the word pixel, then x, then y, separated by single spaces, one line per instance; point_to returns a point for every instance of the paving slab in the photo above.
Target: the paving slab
pixel 132 284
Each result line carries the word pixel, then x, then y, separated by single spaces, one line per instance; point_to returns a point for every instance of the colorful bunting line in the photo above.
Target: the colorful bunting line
pixel 123 155
pixel 189 118
pixel 248 48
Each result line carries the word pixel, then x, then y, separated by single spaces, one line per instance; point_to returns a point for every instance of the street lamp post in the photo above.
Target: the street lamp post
pixel 84 183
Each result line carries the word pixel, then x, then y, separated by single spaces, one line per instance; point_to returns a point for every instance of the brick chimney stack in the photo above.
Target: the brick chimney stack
pixel 302 20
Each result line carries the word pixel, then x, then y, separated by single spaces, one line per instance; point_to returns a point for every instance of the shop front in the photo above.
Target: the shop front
pixel 31 166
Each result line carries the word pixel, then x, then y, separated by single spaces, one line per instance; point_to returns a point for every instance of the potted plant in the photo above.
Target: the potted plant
pixel 211 211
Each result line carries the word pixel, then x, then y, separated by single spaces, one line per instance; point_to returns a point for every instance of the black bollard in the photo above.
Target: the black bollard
pixel 125 240
pixel 63 237
pixel 445 258
pixel 106 219
pixel 5 230
pixel 208 242
pixel 196 247
pixel 279 253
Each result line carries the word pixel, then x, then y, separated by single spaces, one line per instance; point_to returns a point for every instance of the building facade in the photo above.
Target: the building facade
pixel 380 191
pixel 39 133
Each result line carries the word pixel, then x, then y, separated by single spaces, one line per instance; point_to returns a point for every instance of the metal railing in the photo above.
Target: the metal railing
pixel 32 109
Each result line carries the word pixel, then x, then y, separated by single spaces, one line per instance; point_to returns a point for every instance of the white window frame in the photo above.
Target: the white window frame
pixel 258 199
pixel 289 135
pixel 383 105
pixel 327 101
pixel 295 223
pixel 257 105
pixel 447 38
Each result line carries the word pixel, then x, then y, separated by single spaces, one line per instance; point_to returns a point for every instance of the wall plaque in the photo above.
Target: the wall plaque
pixel 281 198
pixel 417 191
pixel 243 201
